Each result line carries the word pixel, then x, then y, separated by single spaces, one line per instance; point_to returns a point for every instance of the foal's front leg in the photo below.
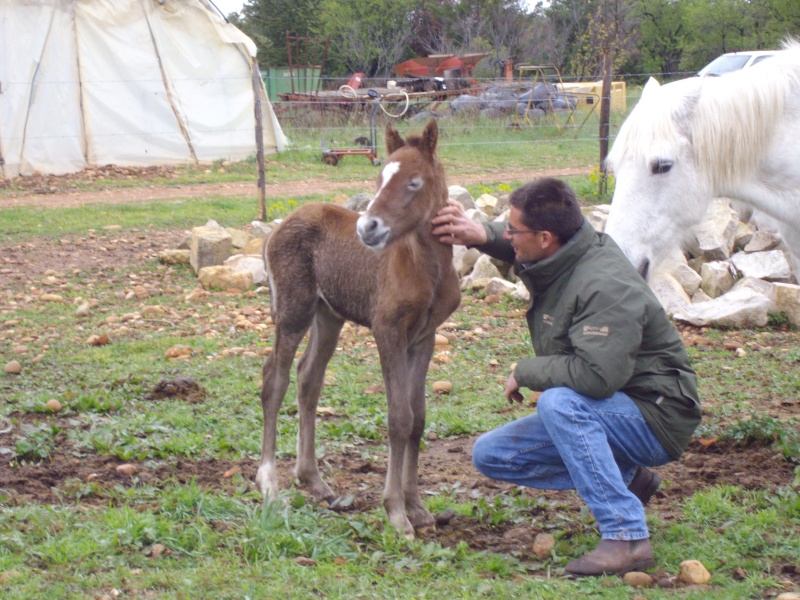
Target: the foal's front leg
pixel 418 360
pixel 394 364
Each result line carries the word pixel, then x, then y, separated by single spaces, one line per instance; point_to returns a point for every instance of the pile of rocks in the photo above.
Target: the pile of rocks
pixel 223 257
pixel 734 272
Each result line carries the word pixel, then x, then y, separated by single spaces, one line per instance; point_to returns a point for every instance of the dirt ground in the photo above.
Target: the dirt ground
pixel 444 464
pixel 49 191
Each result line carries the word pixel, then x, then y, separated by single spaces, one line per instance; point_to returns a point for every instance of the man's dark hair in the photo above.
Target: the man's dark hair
pixel 548 204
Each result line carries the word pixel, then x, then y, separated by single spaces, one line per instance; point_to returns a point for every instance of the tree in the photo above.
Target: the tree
pixel 718 26
pixel 608 37
pixel 369 36
pixel 267 21
pixel 661 35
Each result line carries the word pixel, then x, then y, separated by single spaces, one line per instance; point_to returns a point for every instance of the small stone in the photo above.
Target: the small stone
pixel 441 340
pixel 693 571
pixel 13 367
pixel 740 353
pixel 155 550
pixel 84 309
pixel 98 340
pixel 637 579
pixel 788 596
pixel 231 472
pixel 53 405
pixel 178 351
pixel 543 543
pixel 666 583
pixel 51 298
pixel 444 518
pixel 304 561
pixel 441 358
pixel 442 387
pixel 126 469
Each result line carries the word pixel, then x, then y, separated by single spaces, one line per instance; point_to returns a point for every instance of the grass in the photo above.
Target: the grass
pixel 184 538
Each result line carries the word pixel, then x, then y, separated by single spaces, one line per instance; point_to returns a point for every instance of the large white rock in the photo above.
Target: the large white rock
pixel 717 278
pixel 464 259
pixel 763 240
pixel 482 272
pixel 787 300
pixel 714 236
pixel 772 265
pixel 461 195
pixel 597 215
pixel 488 204
pixel 498 285
pixel 239 238
pixel 765 288
pixel 738 308
pixel 224 278
pixel 521 292
pixel 669 292
pixel 210 246
pixel 251 263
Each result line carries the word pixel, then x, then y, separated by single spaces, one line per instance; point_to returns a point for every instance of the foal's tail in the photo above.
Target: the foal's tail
pixel 273 297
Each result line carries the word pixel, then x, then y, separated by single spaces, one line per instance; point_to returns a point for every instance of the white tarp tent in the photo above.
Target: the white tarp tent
pixel 126 82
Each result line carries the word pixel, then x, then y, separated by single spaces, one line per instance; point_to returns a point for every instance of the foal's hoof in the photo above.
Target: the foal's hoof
pixel 426 531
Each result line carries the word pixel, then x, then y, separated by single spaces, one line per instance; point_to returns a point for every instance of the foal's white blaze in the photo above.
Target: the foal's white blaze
pixel 372 230
pixel 389 171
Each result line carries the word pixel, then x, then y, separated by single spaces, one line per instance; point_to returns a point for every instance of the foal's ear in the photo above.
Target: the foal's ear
pixel 430 136
pixel 393 139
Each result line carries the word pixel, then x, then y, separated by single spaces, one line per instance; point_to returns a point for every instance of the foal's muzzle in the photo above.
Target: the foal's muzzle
pixel 372 231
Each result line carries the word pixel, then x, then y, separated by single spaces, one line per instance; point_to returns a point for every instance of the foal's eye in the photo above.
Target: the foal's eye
pixel 660 166
pixel 415 184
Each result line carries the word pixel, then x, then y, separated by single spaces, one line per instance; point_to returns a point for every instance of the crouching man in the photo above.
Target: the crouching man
pixel 618 392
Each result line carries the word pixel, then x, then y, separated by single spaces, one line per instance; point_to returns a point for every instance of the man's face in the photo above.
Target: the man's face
pixel 526 242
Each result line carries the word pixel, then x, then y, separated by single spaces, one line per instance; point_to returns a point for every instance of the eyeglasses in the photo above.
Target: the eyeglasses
pixel 511 231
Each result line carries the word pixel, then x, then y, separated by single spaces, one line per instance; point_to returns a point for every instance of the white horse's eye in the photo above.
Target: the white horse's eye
pixel 415 184
pixel 660 166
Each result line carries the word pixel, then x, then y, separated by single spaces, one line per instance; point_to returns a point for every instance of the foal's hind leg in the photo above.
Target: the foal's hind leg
pixel 322 341
pixel 275 382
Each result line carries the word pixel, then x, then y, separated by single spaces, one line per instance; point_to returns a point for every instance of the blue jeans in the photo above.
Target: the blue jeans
pixel 576 442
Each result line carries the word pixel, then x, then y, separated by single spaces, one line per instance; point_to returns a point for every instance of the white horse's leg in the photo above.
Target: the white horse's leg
pixel 419 360
pixel 322 340
pixel 275 382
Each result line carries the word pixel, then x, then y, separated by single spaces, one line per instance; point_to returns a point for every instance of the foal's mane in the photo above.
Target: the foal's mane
pixel 728 120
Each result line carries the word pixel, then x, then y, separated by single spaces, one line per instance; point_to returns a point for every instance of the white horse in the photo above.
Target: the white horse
pixel 695 139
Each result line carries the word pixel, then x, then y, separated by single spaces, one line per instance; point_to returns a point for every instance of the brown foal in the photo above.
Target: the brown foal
pixel 384 270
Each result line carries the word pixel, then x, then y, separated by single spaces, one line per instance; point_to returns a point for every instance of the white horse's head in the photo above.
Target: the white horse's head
pixel 659 194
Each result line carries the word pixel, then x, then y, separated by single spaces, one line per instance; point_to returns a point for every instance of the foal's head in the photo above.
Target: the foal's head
pixel 411 188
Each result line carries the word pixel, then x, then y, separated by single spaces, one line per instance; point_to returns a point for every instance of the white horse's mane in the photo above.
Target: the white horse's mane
pixel 728 120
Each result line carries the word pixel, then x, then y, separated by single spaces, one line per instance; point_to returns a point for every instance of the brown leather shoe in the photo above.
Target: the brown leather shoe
pixel 644 484
pixel 613 557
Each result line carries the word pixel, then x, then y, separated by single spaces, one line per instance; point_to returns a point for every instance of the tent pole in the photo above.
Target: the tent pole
pixel 257 92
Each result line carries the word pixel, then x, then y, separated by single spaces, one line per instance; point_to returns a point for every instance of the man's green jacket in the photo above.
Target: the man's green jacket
pixel 597 328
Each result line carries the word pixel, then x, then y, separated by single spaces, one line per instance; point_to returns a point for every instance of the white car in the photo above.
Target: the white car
pixel 733 61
